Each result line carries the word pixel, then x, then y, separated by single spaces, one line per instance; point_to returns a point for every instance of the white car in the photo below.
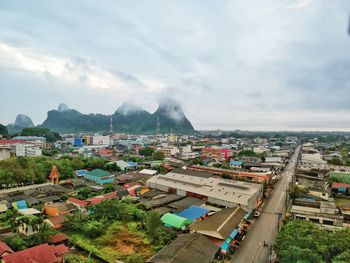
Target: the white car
pixel 256 214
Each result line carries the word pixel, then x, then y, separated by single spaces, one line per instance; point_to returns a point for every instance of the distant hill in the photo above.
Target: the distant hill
pixel 127 118
pixel 3 129
pixel 22 121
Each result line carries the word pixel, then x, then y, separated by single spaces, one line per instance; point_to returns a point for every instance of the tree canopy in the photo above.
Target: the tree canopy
pixel 158 155
pixel 301 241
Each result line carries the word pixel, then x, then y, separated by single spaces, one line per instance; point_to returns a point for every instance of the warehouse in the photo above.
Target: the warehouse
pixel 222 192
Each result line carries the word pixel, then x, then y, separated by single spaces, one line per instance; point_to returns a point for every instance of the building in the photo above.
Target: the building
pixel 220 225
pixel 234 174
pixel 185 249
pixel 27 228
pixel 175 221
pixel 217 154
pixel 4 250
pixel 22 149
pixel 323 213
pixel 222 192
pixel 170 151
pixel 44 253
pixel 5 153
pixel 99 176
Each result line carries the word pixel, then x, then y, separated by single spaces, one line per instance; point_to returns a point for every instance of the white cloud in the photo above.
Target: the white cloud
pixel 300 4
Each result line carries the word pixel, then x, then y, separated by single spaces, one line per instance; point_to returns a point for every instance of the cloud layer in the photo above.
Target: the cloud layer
pixel 262 65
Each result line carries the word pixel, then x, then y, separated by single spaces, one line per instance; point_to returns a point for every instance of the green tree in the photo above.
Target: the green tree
pixel 84 193
pixel 147 151
pixel 93 228
pixel 158 155
pixel 153 222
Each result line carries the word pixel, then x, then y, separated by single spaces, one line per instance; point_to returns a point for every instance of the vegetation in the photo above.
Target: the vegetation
pixel 118 229
pixel 158 155
pixel 247 153
pixel 3 129
pixel 301 241
pixel 21 242
pixel 339 177
pixel 296 192
pixel 29 170
pixel 147 151
pixel 42 132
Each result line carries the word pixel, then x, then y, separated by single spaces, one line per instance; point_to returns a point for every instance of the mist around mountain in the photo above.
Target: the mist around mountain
pixel 22 121
pixel 128 118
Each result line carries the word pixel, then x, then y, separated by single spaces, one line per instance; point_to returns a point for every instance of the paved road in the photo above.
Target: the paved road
pixel 265 227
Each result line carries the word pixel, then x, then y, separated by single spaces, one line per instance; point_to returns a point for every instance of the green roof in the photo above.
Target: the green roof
pixel 98 173
pixel 175 220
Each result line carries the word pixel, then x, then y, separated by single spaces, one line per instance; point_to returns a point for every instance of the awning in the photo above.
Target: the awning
pixel 233 234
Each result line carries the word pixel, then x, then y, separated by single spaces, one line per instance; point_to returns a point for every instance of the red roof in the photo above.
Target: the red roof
pixel 56 221
pixel 105 152
pixel 4 248
pixel 11 141
pixel 98 199
pixel 59 238
pixel 81 203
pixel 38 254
pixel 336 185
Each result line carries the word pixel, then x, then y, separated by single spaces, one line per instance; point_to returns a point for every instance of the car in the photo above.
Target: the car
pixel 256 214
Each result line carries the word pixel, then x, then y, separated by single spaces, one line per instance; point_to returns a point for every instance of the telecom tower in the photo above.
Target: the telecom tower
pixel 110 125
pixel 158 127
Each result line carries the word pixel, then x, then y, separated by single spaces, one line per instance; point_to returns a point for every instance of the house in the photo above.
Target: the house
pixel 99 176
pixel 220 225
pixel 80 204
pixel 236 164
pixel 105 153
pixel 44 253
pixel 4 250
pixel 324 214
pixel 175 221
pixel 148 172
pixel 81 173
pixel 185 249
pixel 55 221
pixel 58 208
pixel 340 188
pixel 194 213
pixel 125 166
pixel 27 228
pixel 59 239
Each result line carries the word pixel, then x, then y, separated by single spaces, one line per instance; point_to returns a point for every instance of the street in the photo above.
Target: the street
pixel 265 227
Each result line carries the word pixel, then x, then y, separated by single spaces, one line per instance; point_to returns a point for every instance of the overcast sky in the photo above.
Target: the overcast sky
pixel 239 64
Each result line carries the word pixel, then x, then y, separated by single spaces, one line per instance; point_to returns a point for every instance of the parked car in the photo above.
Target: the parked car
pixel 256 214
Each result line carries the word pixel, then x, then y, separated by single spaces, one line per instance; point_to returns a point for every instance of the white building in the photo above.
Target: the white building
pixel 26 150
pixel 5 153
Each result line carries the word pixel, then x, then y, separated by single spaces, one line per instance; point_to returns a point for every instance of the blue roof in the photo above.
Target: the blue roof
pixel 81 172
pixel 236 163
pixel 233 234
pixel 193 212
pixel 22 204
pixel 132 163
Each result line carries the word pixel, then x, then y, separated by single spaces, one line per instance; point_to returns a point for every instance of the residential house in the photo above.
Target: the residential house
pixel 44 253
pixel 99 176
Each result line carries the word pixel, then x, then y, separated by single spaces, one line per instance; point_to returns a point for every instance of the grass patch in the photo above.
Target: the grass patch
pixel 122 242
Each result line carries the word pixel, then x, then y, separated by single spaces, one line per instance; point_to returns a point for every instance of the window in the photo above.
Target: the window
pixel 300 217
pixel 315 220
pixel 328 222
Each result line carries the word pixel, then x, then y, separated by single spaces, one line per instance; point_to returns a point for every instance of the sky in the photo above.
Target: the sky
pixel 252 64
